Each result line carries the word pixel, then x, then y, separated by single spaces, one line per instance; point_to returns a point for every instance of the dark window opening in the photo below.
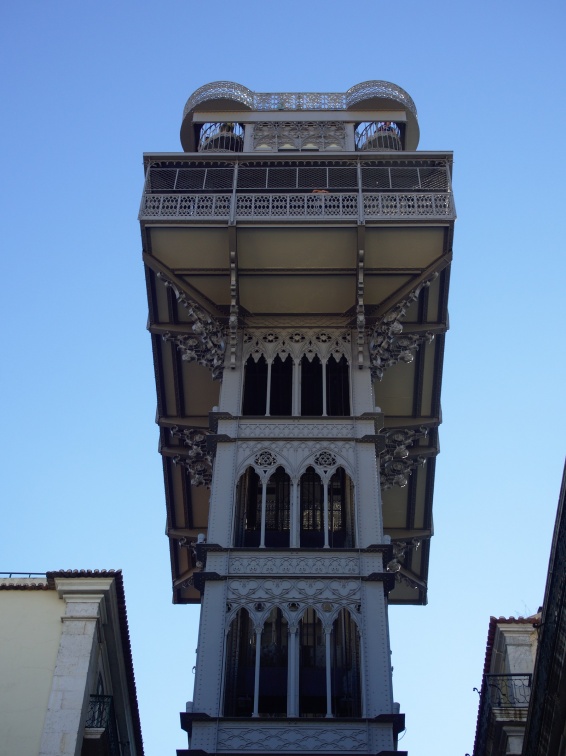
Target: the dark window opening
pixel 240 667
pixel 248 510
pixel 345 657
pixel 312 673
pixel 337 387
pixel 340 511
pixel 278 509
pixel 255 387
pixel 281 395
pixel 273 666
pixel 311 386
pixel 312 510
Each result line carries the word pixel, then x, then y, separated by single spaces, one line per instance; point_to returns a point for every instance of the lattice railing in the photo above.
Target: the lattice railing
pixel 299 100
pixel 292 206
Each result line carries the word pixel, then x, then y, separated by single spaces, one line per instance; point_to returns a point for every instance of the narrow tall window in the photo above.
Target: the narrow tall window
pixel 281 394
pixel 311 387
pixel 312 510
pixel 337 387
pixel 312 672
pixel 273 666
pixel 278 509
pixel 240 667
pixel 341 511
pixel 247 526
pixel 346 688
pixel 255 387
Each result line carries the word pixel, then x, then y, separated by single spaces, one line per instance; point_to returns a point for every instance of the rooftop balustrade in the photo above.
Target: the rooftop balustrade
pixel 230 90
pixel 316 190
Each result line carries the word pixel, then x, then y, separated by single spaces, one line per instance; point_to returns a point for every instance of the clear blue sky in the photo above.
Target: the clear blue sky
pixel 87 87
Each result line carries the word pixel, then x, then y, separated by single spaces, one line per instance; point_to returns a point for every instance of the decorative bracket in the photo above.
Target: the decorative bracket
pixel 197 460
pixel 387 345
pixel 395 463
pixel 207 344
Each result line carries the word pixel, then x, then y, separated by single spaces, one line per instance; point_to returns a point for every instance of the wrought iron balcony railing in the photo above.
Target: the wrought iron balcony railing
pixel 501 697
pixel 230 90
pixel 101 716
pixel 315 190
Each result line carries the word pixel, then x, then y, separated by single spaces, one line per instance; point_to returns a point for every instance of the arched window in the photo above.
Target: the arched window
pixel 278 509
pixel 247 530
pixel 312 667
pixel 345 659
pixel 255 387
pixel 341 511
pixel 240 667
pixel 311 387
pixel 337 387
pixel 312 510
pixel 273 673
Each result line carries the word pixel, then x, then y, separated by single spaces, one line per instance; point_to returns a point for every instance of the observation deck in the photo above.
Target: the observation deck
pixel 236 103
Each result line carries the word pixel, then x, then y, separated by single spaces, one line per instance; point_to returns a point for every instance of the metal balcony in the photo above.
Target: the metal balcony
pixel 503 698
pixel 353 190
pixel 101 722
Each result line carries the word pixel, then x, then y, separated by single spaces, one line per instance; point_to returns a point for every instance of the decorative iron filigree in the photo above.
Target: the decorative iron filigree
pixel 198 458
pixel 400 549
pixel 387 343
pixel 207 345
pixel 325 459
pixel 309 343
pixel 321 135
pixel 230 90
pixel 396 472
pixel 265 459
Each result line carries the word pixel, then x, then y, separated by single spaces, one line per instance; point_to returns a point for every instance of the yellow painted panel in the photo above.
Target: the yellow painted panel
pixel 188 248
pixel 296 248
pixel 297 294
pixel 378 288
pixel 215 288
pixel 413 248
pixel 394 394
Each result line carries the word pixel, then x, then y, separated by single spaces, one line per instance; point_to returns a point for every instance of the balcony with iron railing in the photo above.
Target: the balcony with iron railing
pixel 101 734
pixel 315 190
pixel 503 698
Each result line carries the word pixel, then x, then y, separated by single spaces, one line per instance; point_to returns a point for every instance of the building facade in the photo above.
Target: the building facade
pixel 297 259
pixel 67 684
